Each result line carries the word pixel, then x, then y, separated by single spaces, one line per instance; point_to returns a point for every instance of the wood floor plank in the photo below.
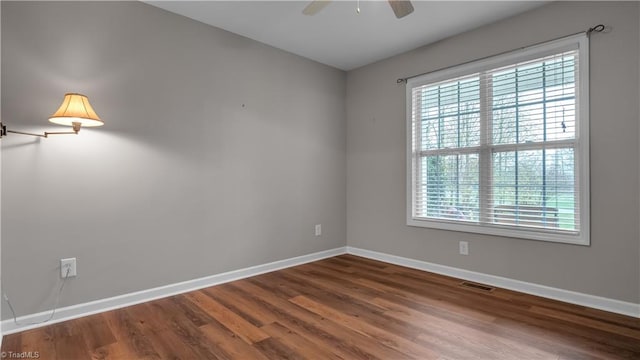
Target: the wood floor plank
pixel 195 314
pixel 437 304
pixel 364 307
pixel 235 347
pixel 72 347
pixel 131 341
pixel 226 295
pixel 149 317
pixel 540 336
pixel 189 333
pixel 274 349
pixel 39 340
pixel 317 329
pixel 170 346
pixel 95 331
pixel 611 328
pixel 450 333
pixel 298 343
pixel 327 292
pixel 108 352
pixel 244 329
pixel 389 339
pixel 344 307
pixel 155 325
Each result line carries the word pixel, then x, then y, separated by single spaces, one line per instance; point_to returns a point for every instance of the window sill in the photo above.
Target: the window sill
pixel 567 237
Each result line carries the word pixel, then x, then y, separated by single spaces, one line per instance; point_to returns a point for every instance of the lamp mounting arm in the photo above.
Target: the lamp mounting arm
pixel 76 129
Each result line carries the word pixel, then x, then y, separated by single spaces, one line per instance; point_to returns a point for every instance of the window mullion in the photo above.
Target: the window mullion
pixel 544 138
pixel 516 166
pixel 486 117
pixel 418 190
pixel 457 205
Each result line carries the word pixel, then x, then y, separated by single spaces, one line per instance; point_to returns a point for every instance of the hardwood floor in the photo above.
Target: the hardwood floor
pixel 344 307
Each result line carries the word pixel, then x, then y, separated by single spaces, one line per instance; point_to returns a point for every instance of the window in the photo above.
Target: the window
pixel 500 145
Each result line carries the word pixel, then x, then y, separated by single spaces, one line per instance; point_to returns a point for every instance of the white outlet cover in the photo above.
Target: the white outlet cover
pixel 318 229
pixel 68 263
pixel 464 248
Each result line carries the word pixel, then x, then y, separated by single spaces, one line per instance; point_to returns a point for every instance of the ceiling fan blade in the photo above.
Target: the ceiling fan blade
pixel 315 6
pixel 401 8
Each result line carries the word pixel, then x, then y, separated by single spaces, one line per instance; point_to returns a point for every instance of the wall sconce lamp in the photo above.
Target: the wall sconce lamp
pixel 75 111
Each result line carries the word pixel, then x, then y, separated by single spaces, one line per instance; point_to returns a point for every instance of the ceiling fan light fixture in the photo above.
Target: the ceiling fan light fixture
pixel 401 8
pixel 315 6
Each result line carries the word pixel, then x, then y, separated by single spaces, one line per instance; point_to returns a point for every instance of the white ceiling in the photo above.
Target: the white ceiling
pixel 337 35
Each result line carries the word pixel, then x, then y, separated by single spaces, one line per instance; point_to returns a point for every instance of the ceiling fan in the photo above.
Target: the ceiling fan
pixel 401 8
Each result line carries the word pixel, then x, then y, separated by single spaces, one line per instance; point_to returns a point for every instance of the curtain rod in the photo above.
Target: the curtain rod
pixel 598 28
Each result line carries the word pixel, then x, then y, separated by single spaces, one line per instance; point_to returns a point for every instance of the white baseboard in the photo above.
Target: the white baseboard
pixel 116 302
pixel 615 306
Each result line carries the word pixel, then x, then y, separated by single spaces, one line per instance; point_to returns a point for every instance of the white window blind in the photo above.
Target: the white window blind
pixel 500 146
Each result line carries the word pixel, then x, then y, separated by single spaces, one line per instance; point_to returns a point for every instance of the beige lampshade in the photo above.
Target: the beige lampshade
pixel 75 108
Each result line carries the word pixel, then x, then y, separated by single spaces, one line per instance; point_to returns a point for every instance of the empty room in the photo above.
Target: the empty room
pixel 385 179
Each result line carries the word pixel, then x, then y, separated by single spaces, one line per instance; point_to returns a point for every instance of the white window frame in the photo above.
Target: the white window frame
pixel 581 160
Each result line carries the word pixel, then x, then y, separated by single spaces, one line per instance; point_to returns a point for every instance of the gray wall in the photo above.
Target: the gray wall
pixel 376 156
pixel 218 152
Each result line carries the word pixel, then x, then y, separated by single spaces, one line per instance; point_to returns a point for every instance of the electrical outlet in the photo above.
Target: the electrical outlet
pixel 464 248
pixel 70 265
pixel 318 229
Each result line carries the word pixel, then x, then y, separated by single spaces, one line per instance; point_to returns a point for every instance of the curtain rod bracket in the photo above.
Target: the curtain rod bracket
pixel 597 28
